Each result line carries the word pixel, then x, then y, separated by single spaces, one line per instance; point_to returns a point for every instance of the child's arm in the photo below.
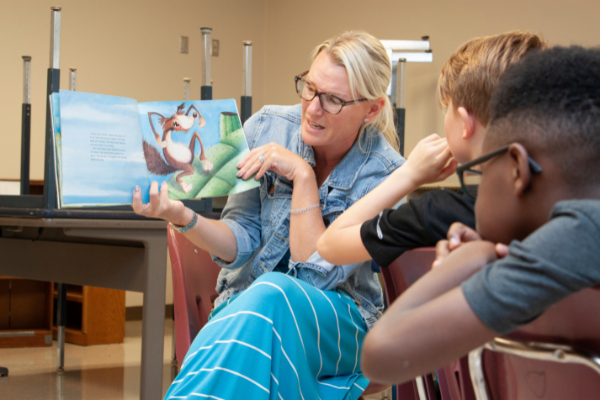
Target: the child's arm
pixel 431 324
pixel 429 162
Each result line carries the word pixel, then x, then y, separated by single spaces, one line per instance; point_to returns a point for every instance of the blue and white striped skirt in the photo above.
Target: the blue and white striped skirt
pixel 280 339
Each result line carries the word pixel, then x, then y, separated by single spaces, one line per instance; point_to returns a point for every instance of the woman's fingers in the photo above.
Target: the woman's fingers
pixel 163 197
pixel 248 156
pixel 138 206
pixel 252 162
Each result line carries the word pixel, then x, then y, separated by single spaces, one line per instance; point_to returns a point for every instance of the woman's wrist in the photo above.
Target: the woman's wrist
pixel 304 175
pixel 190 225
pixel 183 218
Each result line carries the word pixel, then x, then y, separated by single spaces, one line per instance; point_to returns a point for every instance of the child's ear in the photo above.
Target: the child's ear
pixel 469 122
pixel 519 167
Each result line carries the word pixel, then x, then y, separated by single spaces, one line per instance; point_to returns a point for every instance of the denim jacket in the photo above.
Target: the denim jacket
pixel 260 218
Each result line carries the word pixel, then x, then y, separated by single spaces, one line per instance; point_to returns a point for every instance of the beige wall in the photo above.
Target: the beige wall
pixel 123 48
pixel 130 48
pixel 295 27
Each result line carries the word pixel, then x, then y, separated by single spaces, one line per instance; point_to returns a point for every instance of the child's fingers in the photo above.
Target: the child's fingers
pixel 441 251
pixel 501 250
pixel 459 233
pixel 430 138
pixel 448 169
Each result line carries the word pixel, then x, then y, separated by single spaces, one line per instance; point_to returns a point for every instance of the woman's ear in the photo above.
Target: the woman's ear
pixel 375 108
pixel 519 167
pixel 469 122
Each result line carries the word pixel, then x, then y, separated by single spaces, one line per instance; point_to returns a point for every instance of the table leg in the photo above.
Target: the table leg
pixel 153 323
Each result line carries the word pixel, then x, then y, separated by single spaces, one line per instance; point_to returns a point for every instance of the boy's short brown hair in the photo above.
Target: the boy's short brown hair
pixel 472 72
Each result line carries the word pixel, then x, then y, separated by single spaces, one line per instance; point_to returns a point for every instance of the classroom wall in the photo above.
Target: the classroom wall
pixel 130 48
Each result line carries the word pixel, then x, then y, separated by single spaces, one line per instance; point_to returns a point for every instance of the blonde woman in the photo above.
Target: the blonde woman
pixel 287 324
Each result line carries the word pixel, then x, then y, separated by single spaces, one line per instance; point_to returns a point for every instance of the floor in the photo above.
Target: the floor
pixel 103 372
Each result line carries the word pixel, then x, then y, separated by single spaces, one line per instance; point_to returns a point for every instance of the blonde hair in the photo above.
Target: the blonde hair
pixel 472 72
pixel 369 74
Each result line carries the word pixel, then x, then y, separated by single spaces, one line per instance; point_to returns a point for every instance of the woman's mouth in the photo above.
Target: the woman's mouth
pixel 315 126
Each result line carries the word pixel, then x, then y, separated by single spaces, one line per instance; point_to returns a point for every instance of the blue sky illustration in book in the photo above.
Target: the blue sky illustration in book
pixel 96 129
pixel 194 146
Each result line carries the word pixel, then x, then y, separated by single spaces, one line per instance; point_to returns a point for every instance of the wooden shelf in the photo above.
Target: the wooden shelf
pixel 74 297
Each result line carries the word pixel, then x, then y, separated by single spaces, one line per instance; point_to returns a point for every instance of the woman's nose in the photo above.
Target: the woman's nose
pixel 315 106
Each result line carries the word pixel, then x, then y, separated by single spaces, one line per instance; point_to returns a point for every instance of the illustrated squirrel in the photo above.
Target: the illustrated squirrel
pixel 178 156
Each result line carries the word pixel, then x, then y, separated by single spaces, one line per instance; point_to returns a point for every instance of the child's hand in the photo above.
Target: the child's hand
pixel 430 161
pixel 458 234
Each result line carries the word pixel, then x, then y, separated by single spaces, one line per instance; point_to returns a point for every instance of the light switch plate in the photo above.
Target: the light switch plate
pixel 183 44
pixel 215 48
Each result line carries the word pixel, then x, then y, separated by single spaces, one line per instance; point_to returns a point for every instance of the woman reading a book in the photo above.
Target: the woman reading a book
pixel 287 324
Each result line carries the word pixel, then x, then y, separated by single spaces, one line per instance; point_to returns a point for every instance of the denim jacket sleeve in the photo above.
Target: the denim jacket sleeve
pixel 242 211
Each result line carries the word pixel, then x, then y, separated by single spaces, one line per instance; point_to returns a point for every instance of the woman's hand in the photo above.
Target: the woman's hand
pixel 457 235
pixel 160 206
pixel 274 158
pixel 430 161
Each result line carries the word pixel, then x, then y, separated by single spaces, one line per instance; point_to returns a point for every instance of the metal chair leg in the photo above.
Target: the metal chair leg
pixel 174 364
pixel 61 319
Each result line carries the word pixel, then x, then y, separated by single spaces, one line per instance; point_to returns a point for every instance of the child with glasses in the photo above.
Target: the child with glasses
pixel 370 228
pixel 540 192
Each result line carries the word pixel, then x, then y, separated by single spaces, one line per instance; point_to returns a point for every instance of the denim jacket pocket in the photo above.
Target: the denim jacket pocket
pixel 334 207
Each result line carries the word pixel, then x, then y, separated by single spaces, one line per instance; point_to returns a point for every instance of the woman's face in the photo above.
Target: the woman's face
pixel 320 129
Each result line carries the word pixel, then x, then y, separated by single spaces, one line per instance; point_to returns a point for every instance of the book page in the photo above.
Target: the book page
pixel 102 155
pixel 194 146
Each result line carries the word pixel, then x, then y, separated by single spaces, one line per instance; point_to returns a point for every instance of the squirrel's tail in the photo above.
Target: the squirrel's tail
pixel 155 162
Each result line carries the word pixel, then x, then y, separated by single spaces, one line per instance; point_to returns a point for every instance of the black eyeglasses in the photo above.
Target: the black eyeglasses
pixel 330 103
pixel 470 177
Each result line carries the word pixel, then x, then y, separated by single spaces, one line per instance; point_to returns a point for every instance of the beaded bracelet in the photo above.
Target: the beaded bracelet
pixel 304 209
pixel 184 229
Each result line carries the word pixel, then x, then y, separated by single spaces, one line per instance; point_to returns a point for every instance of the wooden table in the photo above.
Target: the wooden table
pixel 112 253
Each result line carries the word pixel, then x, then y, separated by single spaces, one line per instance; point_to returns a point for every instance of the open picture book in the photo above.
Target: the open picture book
pixel 105 145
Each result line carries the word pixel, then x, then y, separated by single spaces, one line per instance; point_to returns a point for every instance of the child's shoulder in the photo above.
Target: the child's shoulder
pixel 588 210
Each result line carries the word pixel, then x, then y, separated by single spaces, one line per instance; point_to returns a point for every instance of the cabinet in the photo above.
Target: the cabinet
pixel 94 315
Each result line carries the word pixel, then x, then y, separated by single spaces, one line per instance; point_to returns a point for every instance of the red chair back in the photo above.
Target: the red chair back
pixel 453 380
pixel 572 322
pixel 194 281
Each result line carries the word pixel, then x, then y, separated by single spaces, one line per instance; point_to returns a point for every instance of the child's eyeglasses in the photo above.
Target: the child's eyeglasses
pixel 469 173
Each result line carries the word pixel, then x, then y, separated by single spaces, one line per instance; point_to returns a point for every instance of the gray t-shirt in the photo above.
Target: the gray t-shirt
pixel 560 258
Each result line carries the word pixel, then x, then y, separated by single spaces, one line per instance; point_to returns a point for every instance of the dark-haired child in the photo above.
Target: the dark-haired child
pixel 540 192
pixel 465 87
